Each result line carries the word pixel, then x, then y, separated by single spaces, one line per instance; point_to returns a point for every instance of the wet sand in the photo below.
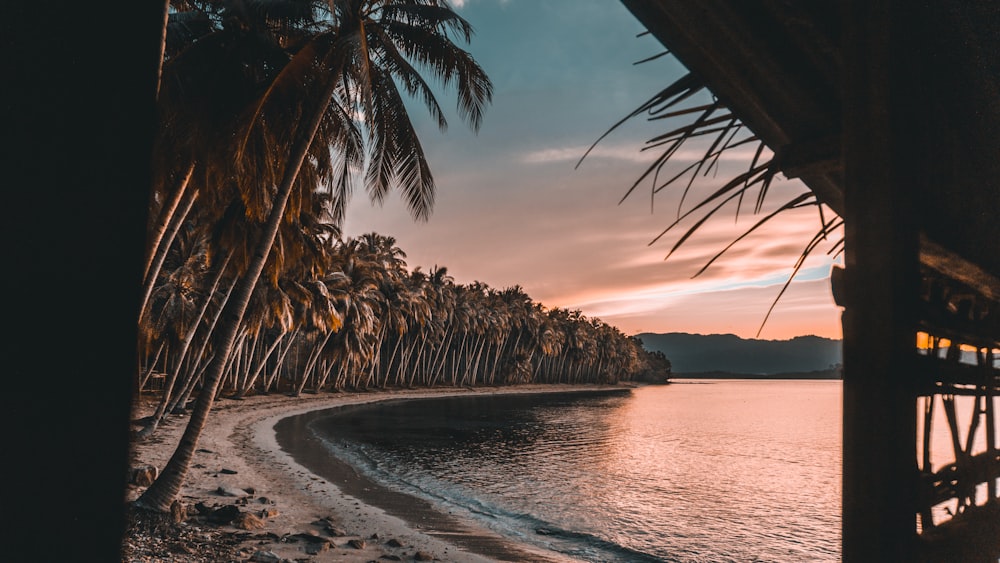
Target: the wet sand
pixel 240 448
pixel 294 437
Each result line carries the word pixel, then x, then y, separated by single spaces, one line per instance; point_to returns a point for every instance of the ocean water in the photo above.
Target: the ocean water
pixel 691 472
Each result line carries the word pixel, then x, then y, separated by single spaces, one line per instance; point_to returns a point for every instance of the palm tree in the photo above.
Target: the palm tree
pixel 352 65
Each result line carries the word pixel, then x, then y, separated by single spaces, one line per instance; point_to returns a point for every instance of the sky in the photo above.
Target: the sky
pixel 512 207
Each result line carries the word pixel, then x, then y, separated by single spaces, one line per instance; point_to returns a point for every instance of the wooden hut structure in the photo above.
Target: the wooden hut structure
pixel 889 111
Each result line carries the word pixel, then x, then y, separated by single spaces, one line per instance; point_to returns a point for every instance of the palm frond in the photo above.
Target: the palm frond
pixel 821 235
pixel 720 131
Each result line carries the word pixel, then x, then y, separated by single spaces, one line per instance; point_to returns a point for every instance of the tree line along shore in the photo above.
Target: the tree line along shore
pixel 364 321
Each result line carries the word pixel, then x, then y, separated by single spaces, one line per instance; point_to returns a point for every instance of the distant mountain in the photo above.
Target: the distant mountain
pixel 728 353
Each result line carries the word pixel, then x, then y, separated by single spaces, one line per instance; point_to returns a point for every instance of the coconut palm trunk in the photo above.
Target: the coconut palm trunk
pixel 261 365
pixel 161 250
pixel 165 217
pixel 161 407
pixel 161 494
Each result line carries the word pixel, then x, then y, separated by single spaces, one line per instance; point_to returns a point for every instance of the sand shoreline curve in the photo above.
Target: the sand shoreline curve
pixel 240 448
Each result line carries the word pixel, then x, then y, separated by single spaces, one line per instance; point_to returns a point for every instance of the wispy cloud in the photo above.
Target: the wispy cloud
pixel 628 153
pixel 462 3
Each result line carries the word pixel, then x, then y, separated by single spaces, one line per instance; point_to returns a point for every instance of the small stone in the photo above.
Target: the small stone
pixel 311 536
pixel 225 471
pixel 228 491
pixel 394 543
pixel 143 475
pixel 269 513
pixel 373 536
pixel 313 548
pixel 250 490
pixel 247 521
pixel 423 556
pixel 203 451
pixel 357 543
pixel 265 557
pixel 224 515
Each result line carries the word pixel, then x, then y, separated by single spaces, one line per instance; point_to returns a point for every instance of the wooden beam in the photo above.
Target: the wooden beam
pixel 880 477
pixel 816 156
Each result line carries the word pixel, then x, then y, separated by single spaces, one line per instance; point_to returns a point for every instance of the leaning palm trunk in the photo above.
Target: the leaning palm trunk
pixel 270 379
pixel 151 368
pixel 164 218
pixel 311 363
pixel 161 407
pixel 161 252
pixel 161 494
pixel 163 46
pixel 261 365
pixel 196 365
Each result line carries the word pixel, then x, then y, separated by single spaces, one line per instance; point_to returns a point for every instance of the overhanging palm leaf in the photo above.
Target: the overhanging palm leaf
pixel 724 132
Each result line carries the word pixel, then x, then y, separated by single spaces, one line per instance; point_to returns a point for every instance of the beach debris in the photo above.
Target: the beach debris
pixel 311 536
pixel 393 542
pixel 269 513
pixel 357 543
pixel 225 471
pixel 203 451
pixel 327 525
pixel 545 532
pixel 312 548
pixel 143 475
pixel 152 535
pixel 227 491
pixel 423 556
pixel 178 512
pixel 223 515
pixel 265 557
pixel 247 521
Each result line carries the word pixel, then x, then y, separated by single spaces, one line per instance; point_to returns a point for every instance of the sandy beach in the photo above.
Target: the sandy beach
pixel 311 511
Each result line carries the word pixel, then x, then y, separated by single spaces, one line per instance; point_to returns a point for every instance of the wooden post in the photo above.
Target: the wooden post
pixel 880 479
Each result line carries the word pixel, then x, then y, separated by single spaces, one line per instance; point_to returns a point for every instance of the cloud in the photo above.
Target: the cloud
pixel 628 153
pixel 462 3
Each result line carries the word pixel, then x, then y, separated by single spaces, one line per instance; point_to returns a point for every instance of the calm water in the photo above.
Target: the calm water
pixel 718 471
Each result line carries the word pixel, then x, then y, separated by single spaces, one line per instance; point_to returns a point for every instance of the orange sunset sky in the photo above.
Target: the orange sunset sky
pixel 512 208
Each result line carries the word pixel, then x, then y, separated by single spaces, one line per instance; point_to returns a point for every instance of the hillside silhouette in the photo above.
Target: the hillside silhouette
pixel 720 355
